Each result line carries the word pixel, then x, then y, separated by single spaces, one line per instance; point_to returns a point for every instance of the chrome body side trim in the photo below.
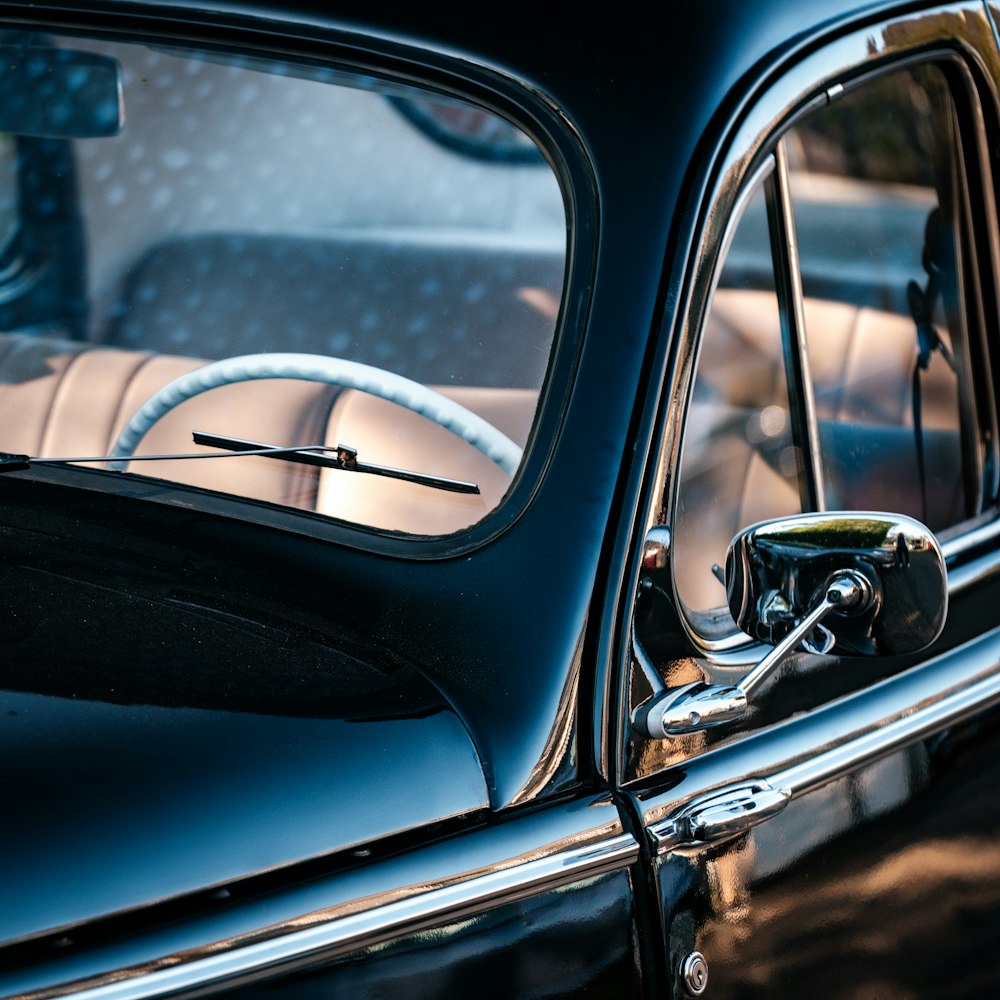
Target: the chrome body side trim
pixel 460 878
pixel 973 573
pixel 805 753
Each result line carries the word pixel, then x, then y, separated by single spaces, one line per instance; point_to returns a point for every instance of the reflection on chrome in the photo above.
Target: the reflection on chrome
pixel 822 746
pixel 721 815
pixel 593 844
pixel 900 595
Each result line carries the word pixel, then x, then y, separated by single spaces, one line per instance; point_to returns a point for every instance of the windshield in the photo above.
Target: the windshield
pixel 281 256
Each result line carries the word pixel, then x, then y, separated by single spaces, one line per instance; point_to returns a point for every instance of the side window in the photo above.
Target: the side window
pixel 875 191
pixel 740 460
pixel 352 278
pixel 834 369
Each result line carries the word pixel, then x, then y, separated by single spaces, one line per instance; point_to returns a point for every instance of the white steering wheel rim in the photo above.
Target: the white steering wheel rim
pixel 316 368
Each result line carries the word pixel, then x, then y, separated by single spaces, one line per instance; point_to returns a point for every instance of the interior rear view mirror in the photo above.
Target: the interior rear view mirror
pixel 59 93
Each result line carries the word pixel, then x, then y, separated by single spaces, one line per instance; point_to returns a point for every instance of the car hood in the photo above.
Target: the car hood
pixel 157 747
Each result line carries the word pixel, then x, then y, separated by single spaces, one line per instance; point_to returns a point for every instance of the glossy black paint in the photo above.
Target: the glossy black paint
pixel 492 651
pixel 885 882
pixel 492 954
pixel 183 765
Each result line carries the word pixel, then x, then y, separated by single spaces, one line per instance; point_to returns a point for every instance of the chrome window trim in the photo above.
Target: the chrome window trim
pixel 810 751
pixel 672 453
pixel 798 377
pixel 813 81
pixel 974 572
pixel 572 843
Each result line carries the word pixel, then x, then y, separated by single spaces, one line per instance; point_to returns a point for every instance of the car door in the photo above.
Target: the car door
pixel 230 764
pixel 833 351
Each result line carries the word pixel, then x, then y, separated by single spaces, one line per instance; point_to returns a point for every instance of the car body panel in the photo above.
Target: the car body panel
pixel 470 804
pixel 576 850
pixel 881 882
pixel 593 920
pixel 156 715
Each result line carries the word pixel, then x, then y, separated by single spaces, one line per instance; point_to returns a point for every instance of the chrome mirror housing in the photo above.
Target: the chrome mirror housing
pixel 778 571
pixel 844 582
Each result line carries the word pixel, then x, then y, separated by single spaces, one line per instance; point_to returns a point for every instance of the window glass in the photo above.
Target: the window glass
pixel 740 463
pixel 860 226
pixel 246 208
pixel 874 189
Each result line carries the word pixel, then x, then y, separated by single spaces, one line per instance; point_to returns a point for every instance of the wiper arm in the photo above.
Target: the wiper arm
pixel 343 457
pixel 324 456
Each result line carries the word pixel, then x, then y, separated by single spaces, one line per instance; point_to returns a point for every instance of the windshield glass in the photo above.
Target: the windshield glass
pixel 367 268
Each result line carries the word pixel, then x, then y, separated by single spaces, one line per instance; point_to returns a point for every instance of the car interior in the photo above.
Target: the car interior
pixel 138 252
pixel 876 218
pixel 185 236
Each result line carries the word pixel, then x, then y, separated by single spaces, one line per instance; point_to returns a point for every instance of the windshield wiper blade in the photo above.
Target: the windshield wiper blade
pixel 324 456
pixel 342 457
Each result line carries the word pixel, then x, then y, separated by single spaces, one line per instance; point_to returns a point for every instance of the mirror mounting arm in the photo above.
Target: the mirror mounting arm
pixel 699 706
pixel 847 591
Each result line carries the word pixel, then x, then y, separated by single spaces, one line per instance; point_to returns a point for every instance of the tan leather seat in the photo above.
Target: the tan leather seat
pixel 390 435
pixel 63 398
pixel 861 360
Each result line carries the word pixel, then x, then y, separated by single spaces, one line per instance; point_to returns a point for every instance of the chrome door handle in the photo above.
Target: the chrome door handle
pixel 720 815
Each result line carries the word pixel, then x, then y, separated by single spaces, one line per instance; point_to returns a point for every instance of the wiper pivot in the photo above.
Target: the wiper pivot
pixel 12 463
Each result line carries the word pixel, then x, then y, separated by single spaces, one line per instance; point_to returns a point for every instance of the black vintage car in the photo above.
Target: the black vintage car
pixel 499 506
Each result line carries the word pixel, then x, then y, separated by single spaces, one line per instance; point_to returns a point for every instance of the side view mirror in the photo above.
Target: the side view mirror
pixel 849 583
pixel 896 595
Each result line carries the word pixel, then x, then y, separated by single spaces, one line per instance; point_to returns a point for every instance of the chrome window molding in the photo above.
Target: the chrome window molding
pixel 368 906
pixel 973 572
pixel 946 33
pixel 788 285
pixel 821 746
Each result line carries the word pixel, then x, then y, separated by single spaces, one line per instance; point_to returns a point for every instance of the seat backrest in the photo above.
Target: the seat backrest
pixel 427 310
pixel 390 435
pixel 61 398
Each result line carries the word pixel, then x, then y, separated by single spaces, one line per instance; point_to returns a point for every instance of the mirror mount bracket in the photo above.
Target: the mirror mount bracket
pixel 699 706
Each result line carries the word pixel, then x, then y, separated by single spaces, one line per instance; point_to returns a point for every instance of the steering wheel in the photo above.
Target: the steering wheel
pixel 317 368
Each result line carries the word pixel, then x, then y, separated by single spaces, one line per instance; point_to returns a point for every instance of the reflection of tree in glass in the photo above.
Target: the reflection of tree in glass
pixel 883 131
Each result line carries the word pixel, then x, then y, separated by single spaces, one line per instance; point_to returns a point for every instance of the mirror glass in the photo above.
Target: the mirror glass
pixel 778 571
